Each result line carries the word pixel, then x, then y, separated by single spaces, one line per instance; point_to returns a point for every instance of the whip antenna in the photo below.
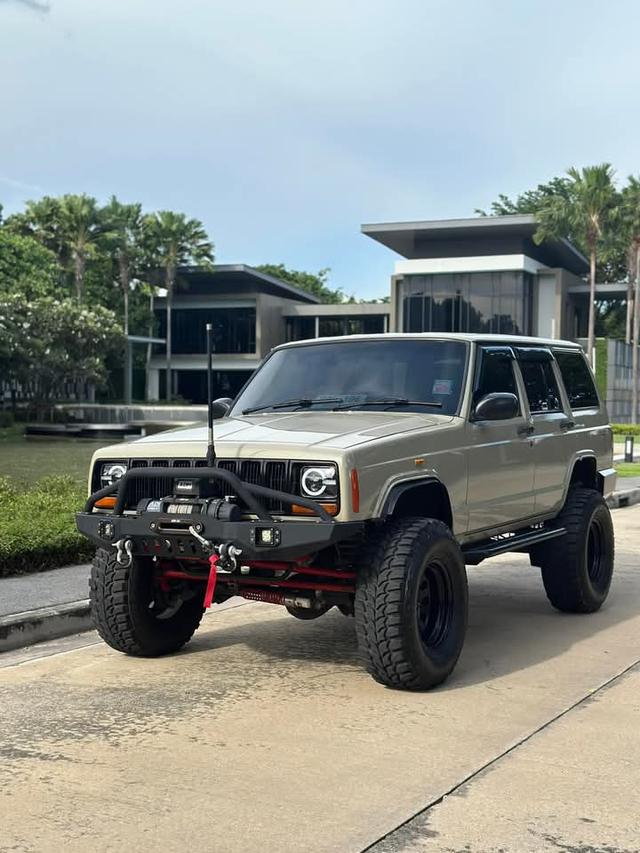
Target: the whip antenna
pixel 211 451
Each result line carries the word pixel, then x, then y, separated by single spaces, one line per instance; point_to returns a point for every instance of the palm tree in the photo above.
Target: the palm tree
pixel 42 220
pixel 123 223
pixel 630 210
pixel 174 241
pixel 584 216
pixel 82 228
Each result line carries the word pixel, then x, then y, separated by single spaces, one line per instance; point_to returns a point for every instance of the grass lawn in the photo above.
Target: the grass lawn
pixel 628 469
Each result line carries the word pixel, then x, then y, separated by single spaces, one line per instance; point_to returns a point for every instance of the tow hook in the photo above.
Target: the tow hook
pixel 124 553
pixel 222 558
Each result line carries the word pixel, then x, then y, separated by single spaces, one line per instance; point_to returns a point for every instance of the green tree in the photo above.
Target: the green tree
pixel 314 283
pixel 27 267
pixel 70 226
pixel 173 240
pixel 124 226
pixel 630 214
pixel 584 214
pixel 82 228
pixel 50 346
pixel 530 201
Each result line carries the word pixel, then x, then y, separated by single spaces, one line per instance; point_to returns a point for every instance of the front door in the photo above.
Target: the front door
pixel 500 485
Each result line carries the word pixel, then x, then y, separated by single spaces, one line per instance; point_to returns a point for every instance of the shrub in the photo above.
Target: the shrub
pixel 626 429
pixel 37 526
pixel 6 419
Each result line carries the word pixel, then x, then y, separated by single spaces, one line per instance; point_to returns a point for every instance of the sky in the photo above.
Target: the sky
pixel 285 124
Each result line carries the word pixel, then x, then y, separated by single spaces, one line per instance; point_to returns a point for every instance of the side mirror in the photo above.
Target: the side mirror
pixel 496 407
pixel 221 406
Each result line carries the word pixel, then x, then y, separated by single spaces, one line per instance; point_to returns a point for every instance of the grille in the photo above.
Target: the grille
pixel 274 474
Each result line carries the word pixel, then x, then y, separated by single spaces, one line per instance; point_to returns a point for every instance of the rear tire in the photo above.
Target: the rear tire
pixel 129 613
pixel 411 605
pixel 577 568
pixel 306 614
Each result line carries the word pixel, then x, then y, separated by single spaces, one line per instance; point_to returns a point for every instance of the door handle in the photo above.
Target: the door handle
pixel 527 429
pixel 567 425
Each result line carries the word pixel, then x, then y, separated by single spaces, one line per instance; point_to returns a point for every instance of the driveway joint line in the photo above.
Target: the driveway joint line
pixel 471 776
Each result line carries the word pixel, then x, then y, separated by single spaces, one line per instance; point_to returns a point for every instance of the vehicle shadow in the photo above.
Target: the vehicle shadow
pixel 512 627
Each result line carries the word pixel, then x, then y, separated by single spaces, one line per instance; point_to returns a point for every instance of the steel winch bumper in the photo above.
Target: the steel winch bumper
pixel 258 534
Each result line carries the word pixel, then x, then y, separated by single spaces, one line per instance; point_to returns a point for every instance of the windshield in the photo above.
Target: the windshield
pixel 388 375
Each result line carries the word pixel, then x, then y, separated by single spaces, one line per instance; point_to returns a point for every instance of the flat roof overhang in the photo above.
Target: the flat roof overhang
pixel 480 235
pixel 233 279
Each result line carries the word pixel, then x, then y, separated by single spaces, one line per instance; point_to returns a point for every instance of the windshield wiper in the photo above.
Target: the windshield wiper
pixel 396 401
pixel 304 403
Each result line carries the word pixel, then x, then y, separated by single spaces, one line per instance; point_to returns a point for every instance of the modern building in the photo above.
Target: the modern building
pixel 486 274
pixel 251 312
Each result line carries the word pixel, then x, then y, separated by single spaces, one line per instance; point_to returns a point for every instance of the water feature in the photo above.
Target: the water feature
pixel 27 460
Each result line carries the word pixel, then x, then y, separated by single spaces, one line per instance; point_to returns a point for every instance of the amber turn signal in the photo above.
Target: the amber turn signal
pixel 106 503
pixel 355 490
pixel 296 509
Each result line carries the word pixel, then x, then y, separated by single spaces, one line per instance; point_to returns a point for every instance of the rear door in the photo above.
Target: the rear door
pixel 500 485
pixel 551 422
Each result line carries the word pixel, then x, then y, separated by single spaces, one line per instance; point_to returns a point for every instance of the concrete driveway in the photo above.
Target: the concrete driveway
pixel 266 734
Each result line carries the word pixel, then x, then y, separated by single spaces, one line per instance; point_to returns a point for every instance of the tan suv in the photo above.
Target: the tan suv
pixel 361 473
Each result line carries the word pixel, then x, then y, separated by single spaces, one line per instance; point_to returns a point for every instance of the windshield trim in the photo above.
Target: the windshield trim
pixel 353 340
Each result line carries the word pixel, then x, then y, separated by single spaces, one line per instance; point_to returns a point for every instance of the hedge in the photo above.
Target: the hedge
pixel 626 429
pixel 37 526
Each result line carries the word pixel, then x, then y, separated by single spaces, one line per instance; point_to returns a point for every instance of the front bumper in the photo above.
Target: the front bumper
pixel 167 535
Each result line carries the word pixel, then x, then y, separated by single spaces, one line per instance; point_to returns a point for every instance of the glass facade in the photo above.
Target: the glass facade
pixel 491 302
pixel 303 328
pixel 234 330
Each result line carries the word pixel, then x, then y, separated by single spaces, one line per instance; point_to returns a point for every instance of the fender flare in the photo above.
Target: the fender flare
pixel 402 488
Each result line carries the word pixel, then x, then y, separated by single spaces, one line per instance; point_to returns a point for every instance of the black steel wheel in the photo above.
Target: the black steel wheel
pixel 411 604
pixel 577 568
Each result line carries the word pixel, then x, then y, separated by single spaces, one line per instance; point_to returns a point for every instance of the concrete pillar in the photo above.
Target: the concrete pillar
pixel 153 384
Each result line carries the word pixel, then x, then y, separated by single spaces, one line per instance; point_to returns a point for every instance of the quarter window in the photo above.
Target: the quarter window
pixel 577 379
pixel 541 386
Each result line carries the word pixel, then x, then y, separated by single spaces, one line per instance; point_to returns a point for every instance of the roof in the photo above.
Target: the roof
pixel 480 235
pixel 467 337
pixel 236 278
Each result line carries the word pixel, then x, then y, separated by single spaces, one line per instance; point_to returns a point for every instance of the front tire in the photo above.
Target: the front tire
pixel 577 568
pixel 131 614
pixel 411 605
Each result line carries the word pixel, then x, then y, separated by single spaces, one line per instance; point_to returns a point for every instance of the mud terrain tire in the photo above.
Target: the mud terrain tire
pixel 411 604
pixel 122 607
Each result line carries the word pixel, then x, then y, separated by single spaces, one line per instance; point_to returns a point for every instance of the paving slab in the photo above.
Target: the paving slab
pixel 265 732
pixel 574 787
pixel 44 589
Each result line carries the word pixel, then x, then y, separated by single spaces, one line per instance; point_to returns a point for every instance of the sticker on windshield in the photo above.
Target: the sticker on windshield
pixel 442 386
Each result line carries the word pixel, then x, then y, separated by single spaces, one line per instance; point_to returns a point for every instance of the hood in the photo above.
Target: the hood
pixel 339 430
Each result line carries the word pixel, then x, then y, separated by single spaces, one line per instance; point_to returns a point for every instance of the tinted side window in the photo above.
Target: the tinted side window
pixel 496 375
pixel 541 385
pixel 577 380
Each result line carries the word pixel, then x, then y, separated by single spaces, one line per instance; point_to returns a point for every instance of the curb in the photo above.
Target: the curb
pixel 46 623
pixel 629 497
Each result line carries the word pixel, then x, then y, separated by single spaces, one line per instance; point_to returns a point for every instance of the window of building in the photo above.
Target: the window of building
pixel 234 330
pixel 541 386
pixel 496 374
pixel 301 328
pixel 191 385
pixel 335 326
pixel 491 302
pixel 577 379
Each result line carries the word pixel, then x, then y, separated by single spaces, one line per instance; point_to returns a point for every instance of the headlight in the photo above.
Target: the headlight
pixel 111 472
pixel 319 481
